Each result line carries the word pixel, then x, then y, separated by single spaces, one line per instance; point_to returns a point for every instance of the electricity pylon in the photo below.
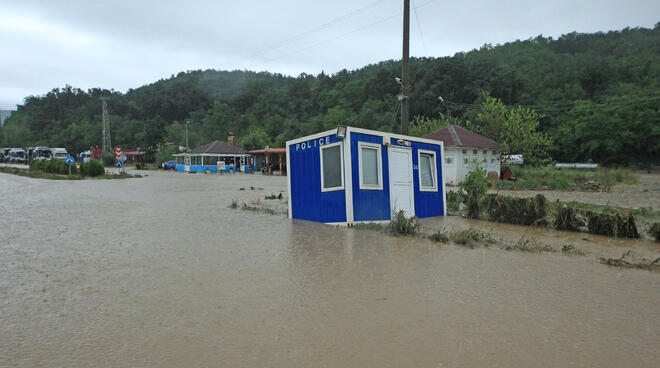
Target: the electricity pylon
pixel 106 126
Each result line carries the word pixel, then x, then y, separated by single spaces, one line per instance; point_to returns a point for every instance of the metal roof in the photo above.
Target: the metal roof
pixel 457 136
pixel 270 150
pixel 217 147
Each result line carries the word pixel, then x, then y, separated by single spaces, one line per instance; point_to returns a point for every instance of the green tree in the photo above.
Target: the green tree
pixel 515 129
pixel 421 125
pixel 256 139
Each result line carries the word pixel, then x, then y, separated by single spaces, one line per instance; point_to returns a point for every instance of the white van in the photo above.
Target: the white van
pixel 59 153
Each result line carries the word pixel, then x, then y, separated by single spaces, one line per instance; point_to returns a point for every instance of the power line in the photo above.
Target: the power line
pixel 345 34
pixel 315 29
pixel 334 38
pixel 419 27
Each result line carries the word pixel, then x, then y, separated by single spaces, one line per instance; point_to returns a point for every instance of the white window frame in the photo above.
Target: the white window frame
pixel 341 165
pixel 450 157
pixel 379 164
pixel 434 159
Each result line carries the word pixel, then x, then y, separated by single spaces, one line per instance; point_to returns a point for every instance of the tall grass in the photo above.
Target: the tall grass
pixel 549 177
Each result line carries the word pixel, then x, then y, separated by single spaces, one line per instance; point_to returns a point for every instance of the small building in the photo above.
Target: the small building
pixel 351 175
pixel 213 157
pixel 269 160
pixel 464 150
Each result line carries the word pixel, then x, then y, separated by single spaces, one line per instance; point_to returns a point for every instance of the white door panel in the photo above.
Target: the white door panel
pixel 401 181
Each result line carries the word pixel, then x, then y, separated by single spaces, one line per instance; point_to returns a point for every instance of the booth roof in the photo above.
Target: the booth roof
pixel 217 147
pixel 270 150
pixel 457 136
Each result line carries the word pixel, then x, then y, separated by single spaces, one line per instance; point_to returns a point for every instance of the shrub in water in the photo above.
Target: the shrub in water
pixel 566 219
pixel 474 188
pixel 402 225
pixel 454 200
pixel 612 225
pixel 654 231
pixel 440 236
pixel 520 211
pixel 471 238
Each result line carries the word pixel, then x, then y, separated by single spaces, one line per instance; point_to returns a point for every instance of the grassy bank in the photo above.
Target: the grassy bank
pixel 38 174
pixel 548 177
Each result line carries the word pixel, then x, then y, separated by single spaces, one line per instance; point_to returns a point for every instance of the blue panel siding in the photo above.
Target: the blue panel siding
pixel 203 168
pixel 370 205
pixel 307 200
pixel 428 204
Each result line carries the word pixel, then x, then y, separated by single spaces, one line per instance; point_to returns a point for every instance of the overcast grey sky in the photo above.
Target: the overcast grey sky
pixel 124 44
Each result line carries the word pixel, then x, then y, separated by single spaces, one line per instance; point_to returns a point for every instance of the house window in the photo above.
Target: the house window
pixel 474 152
pixel 485 152
pixel 428 172
pixel 449 160
pixel 369 161
pixel 332 167
pixel 465 152
pixel 494 152
pixel 208 160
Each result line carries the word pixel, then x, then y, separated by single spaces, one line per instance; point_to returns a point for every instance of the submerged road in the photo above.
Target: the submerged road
pixel 159 272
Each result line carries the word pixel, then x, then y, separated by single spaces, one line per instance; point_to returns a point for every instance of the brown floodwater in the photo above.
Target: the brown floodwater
pixel 160 272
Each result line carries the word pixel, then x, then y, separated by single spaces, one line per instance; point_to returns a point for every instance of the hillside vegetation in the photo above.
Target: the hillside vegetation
pixel 598 96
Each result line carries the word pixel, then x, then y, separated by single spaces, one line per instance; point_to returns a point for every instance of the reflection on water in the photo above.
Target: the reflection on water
pixel 159 272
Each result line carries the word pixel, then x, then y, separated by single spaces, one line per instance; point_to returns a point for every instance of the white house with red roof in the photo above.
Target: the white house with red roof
pixel 464 150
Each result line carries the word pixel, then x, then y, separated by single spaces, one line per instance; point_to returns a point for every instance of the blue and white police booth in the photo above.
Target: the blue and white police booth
pixel 351 175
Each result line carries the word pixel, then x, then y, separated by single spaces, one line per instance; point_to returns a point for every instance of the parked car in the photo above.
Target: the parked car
pixel 4 158
pixel 169 165
pixel 41 153
pixel 17 156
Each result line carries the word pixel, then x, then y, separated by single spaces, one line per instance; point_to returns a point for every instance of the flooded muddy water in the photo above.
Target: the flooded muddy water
pixel 160 272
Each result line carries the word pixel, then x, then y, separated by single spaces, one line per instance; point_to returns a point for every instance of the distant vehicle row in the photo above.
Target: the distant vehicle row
pixel 22 156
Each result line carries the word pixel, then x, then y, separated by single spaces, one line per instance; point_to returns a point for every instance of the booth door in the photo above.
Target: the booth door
pixel 401 181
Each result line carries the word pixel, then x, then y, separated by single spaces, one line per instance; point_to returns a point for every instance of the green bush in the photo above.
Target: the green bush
pixel 92 168
pixel 521 211
pixel 454 200
pixel 402 225
pixel 108 158
pixel 441 236
pixel 35 164
pixel 474 187
pixel 471 238
pixel 53 166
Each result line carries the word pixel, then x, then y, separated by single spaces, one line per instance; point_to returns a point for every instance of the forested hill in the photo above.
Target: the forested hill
pixel 599 95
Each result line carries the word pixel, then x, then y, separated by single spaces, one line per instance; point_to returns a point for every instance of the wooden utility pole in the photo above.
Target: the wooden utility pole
pixel 405 78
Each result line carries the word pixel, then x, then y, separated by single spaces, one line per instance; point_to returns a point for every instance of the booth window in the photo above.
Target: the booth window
pixel 331 167
pixel 369 161
pixel 428 173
